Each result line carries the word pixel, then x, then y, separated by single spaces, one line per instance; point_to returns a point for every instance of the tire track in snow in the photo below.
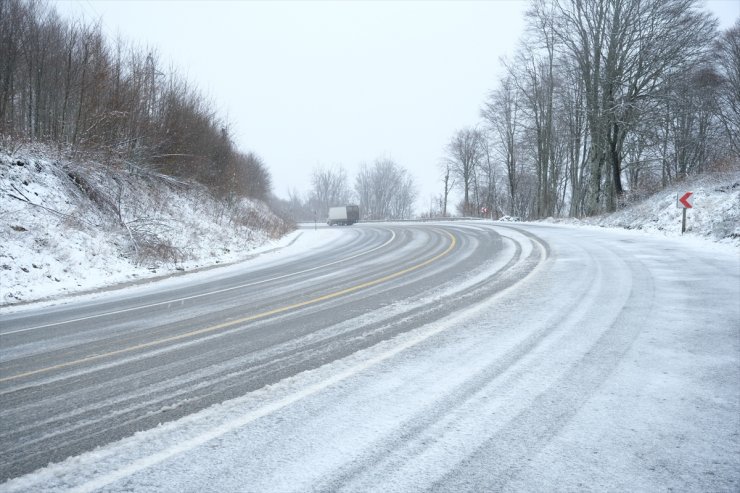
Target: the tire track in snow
pixel 240 376
pixel 92 423
pixel 524 267
pixel 495 463
pixel 386 456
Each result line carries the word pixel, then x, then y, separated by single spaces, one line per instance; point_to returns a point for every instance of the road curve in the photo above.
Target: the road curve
pixel 80 375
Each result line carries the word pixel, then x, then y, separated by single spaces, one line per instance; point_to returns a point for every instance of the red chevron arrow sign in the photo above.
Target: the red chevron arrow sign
pixel 685 201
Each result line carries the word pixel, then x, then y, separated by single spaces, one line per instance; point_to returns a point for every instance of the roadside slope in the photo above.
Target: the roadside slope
pixel 71 226
pixel 715 215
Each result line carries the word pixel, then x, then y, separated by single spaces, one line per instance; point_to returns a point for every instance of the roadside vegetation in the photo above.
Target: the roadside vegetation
pixel 64 84
pixel 604 103
pixel 74 225
pixel 102 146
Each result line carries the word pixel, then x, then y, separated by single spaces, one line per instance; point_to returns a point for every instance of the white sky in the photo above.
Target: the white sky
pixel 308 83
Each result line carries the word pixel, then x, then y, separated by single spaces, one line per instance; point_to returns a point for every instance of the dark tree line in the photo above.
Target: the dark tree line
pixel 64 83
pixel 604 100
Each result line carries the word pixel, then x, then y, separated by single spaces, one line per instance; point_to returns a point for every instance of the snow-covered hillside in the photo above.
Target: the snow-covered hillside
pixel 715 215
pixel 67 226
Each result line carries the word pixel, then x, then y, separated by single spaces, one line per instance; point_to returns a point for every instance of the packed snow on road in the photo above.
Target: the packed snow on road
pixel 613 366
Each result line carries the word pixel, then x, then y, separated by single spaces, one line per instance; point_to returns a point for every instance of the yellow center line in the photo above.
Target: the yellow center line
pixel 200 295
pixel 231 323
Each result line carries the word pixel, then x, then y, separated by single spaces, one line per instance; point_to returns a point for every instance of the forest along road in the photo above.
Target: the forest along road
pixel 472 356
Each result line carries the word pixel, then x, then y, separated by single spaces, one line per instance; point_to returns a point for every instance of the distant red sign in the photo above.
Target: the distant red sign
pixel 686 201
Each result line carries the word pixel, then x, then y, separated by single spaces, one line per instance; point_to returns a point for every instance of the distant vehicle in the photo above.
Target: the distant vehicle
pixel 345 215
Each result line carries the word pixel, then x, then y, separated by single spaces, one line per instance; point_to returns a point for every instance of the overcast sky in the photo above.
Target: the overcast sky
pixel 325 83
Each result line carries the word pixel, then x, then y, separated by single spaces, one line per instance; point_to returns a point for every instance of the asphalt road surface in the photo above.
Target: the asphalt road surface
pixel 567 332
pixel 81 376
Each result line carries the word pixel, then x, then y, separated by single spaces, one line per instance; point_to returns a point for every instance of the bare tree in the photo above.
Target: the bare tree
pixel 329 188
pixel 385 190
pixel 727 49
pixel 448 183
pixel 502 116
pixel 487 180
pixel 365 192
pixel 623 49
pixel 464 153
pixel 571 126
pixel 533 74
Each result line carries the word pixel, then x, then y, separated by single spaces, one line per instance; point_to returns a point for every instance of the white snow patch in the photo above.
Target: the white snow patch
pixel 715 214
pixel 69 227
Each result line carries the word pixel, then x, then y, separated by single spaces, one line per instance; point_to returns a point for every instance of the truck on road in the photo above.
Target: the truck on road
pixel 345 215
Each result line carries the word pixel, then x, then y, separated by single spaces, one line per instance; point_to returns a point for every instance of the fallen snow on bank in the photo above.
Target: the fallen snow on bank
pixel 715 214
pixel 70 227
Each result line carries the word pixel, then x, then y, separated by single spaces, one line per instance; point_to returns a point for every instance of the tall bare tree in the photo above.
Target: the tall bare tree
pixel 448 183
pixel 727 49
pixel 464 154
pixel 502 115
pixel 623 50
pixel 533 73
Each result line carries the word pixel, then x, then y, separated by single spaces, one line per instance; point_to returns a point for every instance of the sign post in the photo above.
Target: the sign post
pixel 685 201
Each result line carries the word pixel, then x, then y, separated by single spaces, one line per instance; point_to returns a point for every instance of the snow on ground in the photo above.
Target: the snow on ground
pixel 579 394
pixel 715 214
pixel 68 227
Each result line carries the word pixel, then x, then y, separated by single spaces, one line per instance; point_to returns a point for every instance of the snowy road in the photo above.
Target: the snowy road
pixel 445 357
